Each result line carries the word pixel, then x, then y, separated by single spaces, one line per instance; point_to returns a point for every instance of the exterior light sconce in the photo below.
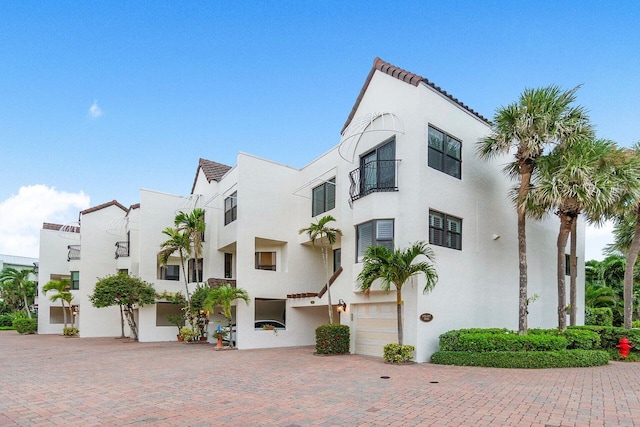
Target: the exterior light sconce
pixel 75 310
pixel 342 306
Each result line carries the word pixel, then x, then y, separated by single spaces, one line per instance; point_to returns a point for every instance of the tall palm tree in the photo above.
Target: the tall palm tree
pixel 63 294
pixel 176 242
pixel 224 296
pixel 20 286
pixel 396 267
pixel 540 118
pixel 327 236
pixel 583 177
pixel 192 224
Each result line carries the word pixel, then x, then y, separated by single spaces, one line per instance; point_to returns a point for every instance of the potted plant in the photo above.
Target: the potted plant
pixel 178 321
pixel 270 327
pixel 189 335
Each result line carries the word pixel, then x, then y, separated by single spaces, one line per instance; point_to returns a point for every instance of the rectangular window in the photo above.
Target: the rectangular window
pixel 373 233
pixel 445 230
pixel 231 208
pixel 337 259
pixel 192 275
pixel 378 169
pixel 75 280
pixel 324 197
pixel 266 261
pixel 567 264
pixel 445 153
pixel 170 272
pixel 228 266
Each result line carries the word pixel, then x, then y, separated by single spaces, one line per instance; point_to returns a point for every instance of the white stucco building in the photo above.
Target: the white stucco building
pixel 405 170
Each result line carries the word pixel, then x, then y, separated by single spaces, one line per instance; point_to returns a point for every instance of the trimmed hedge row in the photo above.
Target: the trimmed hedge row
pixel 523 359
pixel 25 325
pixel 577 339
pixel 610 335
pixel 484 343
pixel 449 340
pixel 332 339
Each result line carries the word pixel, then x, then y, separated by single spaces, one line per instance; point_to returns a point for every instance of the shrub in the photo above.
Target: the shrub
pixel 189 334
pixel 24 325
pixel 332 339
pixel 449 340
pixel 482 343
pixel 5 320
pixel 635 324
pixel 70 332
pixel 577 339
pixel 610 336
pixel 518 359
pixel 602 316
pixel 396 353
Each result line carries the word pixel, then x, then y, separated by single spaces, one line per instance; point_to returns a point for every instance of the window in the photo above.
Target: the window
pixel 75 280
pixel 166 309
pixel 192 276
pixel 324 197
pixel 445 153
pixel 228 266
pixel 231 208
pixel 567 264
pixel 270 312
pixel 373 233
pixel 170 272
pixel 445 230
pixel 337 259
pixel 378 169
pixel 266 261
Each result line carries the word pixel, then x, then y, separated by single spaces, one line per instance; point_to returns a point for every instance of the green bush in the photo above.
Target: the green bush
pixel 482 343
pixel 449 340
pixel 332 339
pixel 24 325
pixel 602 316
pixel 577 339
pixel 70 332
pixel 635 324
pixel 6 320
pixel 610 335
pixel 519 359
pixel 396 353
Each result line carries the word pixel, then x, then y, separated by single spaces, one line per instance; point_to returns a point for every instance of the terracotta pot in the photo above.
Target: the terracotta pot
pixel 180 338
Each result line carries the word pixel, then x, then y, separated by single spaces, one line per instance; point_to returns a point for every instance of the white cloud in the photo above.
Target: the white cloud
pixel 95 111
pixel 22 215
pixel 596 239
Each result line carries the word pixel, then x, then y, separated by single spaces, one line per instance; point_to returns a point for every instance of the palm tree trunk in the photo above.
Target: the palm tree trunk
pixel 399 314
pixel 525 179
pixel 563 236
pixel 26 304
pixel 632 257
pixel 325 260
pixel 64 313
pixel 73 323
pixel 573 267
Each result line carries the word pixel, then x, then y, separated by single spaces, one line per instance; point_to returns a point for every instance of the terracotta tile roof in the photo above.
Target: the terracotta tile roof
pixel 58 227
pixel 407 77
pixel 102 206
pixel 212 170
pixel 132 207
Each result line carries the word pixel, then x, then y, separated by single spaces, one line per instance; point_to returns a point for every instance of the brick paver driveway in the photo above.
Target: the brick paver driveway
pixel 52 380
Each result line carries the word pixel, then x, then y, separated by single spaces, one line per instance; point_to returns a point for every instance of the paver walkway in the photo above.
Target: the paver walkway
pixel 53 380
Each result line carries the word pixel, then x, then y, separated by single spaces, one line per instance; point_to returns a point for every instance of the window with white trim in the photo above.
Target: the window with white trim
pixel 445 153
pixel 378 232
pixel 445 230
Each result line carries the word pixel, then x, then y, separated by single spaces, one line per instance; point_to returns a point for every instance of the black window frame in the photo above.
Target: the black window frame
pixel 321 200
pixel 449 238
pixel 337 259
pixel 379 174
pixel 74 283
pixel 440 158
pixel 231 208
pixel 376 239
pixel 175 270
pixel 199 270
pixel 228 265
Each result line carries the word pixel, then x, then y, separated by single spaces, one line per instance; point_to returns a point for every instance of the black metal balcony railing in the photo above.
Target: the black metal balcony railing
pixel 74 252
pixel 122 249
pixel 376 176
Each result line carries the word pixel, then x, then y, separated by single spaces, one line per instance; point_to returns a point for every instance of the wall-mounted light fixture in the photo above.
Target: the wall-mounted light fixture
pixel 342 306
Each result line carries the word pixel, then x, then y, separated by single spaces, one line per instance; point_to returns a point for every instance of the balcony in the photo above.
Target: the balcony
pixel 372 177
pixel 122 249
pixel 74 252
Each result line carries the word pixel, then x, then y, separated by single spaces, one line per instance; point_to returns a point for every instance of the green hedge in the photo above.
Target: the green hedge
pixel 483 343
pixel 449 340
pixel 25 325
pixel 577 339
pixel 396 353
pixel 520 359
pixel 610 335
pixel 602 316
pixel 332 339
pixel 6 320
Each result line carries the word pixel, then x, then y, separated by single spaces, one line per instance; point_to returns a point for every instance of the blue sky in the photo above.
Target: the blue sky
pixel 100 99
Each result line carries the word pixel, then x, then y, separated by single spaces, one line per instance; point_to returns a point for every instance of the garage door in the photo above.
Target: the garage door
pixel 375 326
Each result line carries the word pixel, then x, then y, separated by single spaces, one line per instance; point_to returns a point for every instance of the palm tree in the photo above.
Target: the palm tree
pixel 582 177
pixel 192 224
pixel 176 242
pixel 396 267
pixel 540 118
pixel 17 281
pixel 224 296
pixel 63 294
pixel 600 296
pixel 327 237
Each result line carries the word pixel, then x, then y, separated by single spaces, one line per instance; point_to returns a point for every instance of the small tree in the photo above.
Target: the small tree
pixel 396 267
pixel 224 296
pixel 63 294
pixel 327 237
pixel 125 291
pixel 16 289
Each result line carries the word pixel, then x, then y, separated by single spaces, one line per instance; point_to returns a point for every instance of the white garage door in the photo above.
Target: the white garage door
pixel 375 326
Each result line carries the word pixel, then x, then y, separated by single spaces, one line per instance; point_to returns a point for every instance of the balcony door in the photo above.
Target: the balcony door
pixel 378 168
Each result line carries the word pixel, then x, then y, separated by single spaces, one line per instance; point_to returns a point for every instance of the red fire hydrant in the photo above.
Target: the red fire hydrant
pixel 624 347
